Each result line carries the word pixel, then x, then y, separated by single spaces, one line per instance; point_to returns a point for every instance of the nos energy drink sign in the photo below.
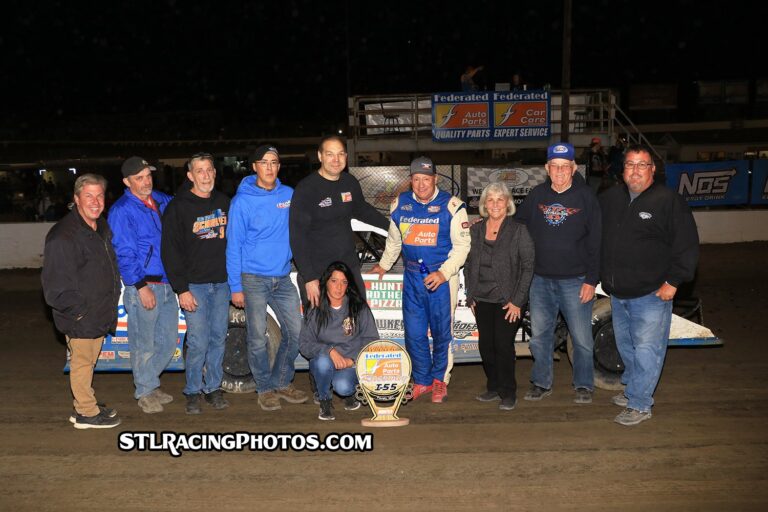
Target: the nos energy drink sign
pixel 484 116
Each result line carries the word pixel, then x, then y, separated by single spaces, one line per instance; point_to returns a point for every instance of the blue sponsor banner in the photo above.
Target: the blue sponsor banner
pixel 710 183
pixel 492 115
pixel 759 182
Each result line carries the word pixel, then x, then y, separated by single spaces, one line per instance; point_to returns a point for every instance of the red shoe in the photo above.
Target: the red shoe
pixel 420 389
pixel 439 391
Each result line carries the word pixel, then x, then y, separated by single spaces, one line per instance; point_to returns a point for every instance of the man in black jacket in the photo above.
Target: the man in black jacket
pixel 193 251
pixel 650 247
pixel 82 285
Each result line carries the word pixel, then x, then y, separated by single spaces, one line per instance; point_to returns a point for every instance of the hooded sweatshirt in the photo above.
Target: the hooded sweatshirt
pixel 194 238
pixel 258 232
pixel 566 230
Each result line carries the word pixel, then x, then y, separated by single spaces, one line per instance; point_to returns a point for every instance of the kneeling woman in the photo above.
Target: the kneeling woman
pixel 333 334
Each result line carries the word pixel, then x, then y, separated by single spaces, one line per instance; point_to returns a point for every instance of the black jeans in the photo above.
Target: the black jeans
pixel 497 347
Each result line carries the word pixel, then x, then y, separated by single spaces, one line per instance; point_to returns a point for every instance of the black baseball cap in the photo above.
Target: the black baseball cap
pixel 135 165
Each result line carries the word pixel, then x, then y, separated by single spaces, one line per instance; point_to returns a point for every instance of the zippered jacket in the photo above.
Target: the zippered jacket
pixel 136 236
pixel 646 242
pixel 80 278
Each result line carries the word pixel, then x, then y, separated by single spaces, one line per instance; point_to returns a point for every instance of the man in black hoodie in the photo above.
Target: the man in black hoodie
pixel 650 247
pixel 563 217
pixel 193 252
pixel 81 283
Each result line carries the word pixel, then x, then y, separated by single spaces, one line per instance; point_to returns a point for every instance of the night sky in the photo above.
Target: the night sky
pixel 284 64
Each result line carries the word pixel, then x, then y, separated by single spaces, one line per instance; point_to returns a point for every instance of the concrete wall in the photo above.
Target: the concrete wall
pixel 21 244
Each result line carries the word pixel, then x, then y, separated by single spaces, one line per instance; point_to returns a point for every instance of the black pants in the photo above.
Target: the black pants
pixel 497 347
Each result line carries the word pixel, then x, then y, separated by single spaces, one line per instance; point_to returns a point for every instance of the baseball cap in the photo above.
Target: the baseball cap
pixel 135 165
pixel 262 150
pixel 560 150
pixel 596 140
pixel 422 165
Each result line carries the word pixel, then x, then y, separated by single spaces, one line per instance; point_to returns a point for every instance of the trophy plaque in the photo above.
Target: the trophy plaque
pixel 383 372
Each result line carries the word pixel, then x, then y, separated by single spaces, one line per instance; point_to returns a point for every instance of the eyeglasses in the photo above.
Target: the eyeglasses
pixel 269 163
pixel 642 166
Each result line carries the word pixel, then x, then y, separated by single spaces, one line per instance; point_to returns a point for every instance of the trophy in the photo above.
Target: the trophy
pixel 383 371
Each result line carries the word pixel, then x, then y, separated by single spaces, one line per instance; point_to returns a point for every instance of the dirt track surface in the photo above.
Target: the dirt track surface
pixel 705 448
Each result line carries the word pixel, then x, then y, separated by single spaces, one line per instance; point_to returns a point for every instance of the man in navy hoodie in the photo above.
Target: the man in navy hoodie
pixel 194 256
pixel 259 267
pixel 563 217
pixel 153 313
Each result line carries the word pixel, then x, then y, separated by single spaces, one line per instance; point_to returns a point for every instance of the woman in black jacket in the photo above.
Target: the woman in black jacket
pixel 497 275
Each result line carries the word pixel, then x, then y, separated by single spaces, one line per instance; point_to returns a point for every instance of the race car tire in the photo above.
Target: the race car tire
pixel 237 373
pixel 607 360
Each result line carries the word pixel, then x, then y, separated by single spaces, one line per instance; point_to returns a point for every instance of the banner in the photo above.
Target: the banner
pixel 759 182
pixel 519 181
pixel 711 183
pixel 492 115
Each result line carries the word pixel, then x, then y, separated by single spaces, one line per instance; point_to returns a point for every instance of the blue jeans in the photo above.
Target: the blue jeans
pixel 641 327
pixel 326 375
pixel 281 295
pixel 153 335
pixel 206 335
pixel 547 297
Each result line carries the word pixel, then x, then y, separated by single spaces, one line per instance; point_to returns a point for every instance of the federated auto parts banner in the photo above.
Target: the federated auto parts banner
pixel 710 183
pixel 491 115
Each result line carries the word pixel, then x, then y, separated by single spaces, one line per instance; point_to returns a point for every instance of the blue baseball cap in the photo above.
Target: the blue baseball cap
pixel 561 150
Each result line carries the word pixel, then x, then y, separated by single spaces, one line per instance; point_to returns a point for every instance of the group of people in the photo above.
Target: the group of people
pixel 200 251
pixel 638 239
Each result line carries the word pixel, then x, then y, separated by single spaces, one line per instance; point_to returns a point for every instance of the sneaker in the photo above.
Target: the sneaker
pixel 583 396
pixel 268 401
pixel 150 404
pixel 103 409
pixel 508 403
pixel 351 403
pixel 216 399
pixel 488 396
pixel 193 404
pixel 162 396
pixel 420 389
pixel 101 420
pixel 292 395
pixel 535 393
pixel 629 417
pixel 326 410
pixel 439 391
pixel 621 400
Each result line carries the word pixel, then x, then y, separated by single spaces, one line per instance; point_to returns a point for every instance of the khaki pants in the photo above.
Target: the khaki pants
pixel 84 353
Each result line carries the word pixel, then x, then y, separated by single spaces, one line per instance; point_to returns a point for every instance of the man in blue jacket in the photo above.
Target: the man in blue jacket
pixel 150 303
pixel 259 268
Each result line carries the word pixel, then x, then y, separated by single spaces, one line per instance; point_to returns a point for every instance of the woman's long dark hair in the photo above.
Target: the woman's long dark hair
pixel 356 303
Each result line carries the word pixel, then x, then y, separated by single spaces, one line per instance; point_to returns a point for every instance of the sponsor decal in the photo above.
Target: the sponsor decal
pixel 645 215
pixel 406 208
pixel 465 225
pixel 461 115
pixel 119 340
pixel 123 354
pixel 284 204
pixel 705 185
pixel 433 209
pixel 510 177
pixel 325 202
pixel 517 114
pixel 346 197
pixel 108 355
pixel 556 214
pixel 422 235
